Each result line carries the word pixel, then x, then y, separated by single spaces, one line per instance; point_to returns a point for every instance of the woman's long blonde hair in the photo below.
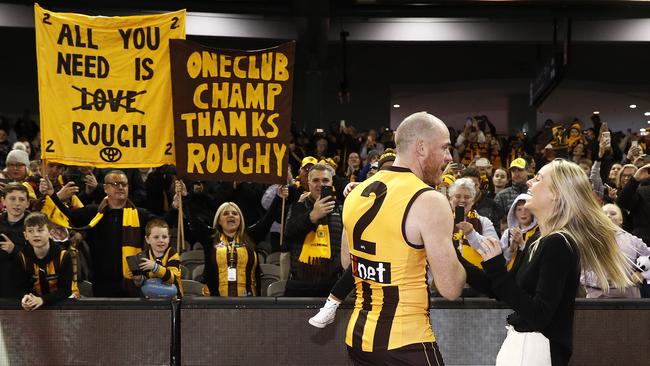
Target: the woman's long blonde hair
pixel 577 214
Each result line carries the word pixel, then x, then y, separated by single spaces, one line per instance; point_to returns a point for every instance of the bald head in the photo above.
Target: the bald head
pixel 418 125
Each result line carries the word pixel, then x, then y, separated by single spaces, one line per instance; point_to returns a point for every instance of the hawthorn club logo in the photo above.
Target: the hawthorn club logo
pixel 110 154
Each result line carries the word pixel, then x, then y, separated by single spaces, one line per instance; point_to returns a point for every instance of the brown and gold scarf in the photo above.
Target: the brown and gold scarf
pixel 131 240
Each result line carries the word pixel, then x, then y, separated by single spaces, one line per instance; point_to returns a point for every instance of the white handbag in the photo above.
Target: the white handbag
pixel 524 348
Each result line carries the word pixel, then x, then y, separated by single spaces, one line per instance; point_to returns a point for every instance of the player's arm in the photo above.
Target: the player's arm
pixel 345 250
pixel 434 228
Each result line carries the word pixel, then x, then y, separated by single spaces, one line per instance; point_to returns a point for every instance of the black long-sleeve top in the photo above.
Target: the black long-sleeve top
pixel 541 290
pixel 8 266
pixel 299 225
pixel 104 241
pixel 635 197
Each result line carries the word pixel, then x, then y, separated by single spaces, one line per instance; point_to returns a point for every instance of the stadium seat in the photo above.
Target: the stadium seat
pixel 85 288
pixel 192 288
pixel 276 288
pixel 192 258
pixel 186 274
pixel 273 258
pixel 270 270
pixel 197 273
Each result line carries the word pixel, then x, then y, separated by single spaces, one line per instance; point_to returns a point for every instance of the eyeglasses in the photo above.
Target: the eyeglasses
pixel 118 184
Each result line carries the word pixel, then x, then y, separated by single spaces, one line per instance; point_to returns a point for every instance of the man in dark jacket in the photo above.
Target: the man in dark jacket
pixel 313 233
pixel 111 237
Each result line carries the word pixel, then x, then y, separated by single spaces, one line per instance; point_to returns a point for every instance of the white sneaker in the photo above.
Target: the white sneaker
pixel 325 316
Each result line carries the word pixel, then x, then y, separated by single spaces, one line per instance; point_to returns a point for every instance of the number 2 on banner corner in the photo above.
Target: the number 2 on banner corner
pixel 48 146
pixel 168 148
pixel 46 18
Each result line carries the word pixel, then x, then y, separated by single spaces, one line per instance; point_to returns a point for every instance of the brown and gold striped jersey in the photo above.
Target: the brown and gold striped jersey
pixel 392 305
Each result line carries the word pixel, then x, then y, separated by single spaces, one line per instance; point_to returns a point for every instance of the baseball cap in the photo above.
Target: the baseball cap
pixel 519 163
pixel 328 161
pixel 308 160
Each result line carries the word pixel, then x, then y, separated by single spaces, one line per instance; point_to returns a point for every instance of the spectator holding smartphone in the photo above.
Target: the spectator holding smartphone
pixel 313 233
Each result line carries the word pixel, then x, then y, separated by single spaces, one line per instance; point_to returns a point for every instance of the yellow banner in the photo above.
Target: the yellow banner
pixel 105 88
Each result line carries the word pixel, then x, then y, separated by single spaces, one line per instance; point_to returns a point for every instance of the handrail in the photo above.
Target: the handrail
pixel 95 303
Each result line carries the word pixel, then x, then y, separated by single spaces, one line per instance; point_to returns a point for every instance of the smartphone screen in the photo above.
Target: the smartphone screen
pixel 459 214
pixel 326 191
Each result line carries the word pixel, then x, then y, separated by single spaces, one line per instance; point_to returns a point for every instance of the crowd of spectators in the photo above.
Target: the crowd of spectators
pixel 97 217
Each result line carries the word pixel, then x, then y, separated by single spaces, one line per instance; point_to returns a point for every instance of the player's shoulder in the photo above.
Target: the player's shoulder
pixel 430 196
pixel 428 205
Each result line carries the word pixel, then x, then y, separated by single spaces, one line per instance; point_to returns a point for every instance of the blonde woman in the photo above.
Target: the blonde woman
pixel 231 263
pixel 632 247
pixel 541 289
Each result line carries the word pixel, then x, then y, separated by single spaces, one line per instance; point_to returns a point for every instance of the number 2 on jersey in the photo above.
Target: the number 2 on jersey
pixel 379 189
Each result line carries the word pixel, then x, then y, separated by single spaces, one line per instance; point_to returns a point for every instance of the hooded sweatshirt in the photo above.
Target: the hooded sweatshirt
pixel 513 223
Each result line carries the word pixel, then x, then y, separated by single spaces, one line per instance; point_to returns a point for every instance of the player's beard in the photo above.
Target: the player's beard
pixel 431 173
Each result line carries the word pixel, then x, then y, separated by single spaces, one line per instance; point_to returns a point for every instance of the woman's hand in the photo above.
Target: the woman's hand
pixel 465 226
pixel 490 248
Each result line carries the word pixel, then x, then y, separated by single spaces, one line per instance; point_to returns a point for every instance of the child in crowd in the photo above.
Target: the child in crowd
pixel 522 226
pixel 46 268
pixel 12 240
pixel 161 264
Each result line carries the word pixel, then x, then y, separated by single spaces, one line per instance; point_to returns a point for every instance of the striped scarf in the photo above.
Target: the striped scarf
pixel 315 255
pixel 56 216
pixel 460 240
pixel 131 240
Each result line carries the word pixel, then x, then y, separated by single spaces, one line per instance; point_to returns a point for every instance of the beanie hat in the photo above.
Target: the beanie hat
pixel 17 156
pixel 388 155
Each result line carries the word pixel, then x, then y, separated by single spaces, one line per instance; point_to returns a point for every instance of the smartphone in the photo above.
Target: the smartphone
pixel 327 191
pixel 635 143
pixel 134 263
pixel 72 177
pixel 607 138
pixel 459 214
pixel 343 123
